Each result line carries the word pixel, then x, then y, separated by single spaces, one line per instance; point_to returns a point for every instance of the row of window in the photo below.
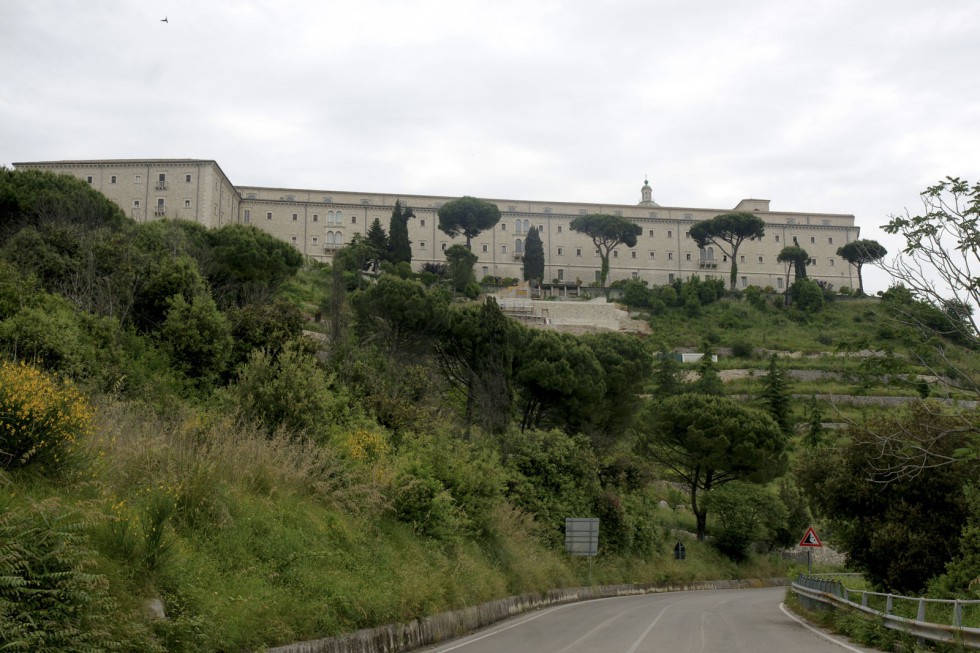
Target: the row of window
pixel 333 217
pixel 161 204
pixel 138 179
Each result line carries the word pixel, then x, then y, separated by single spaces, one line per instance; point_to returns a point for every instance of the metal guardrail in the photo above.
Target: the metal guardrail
pixel 939 620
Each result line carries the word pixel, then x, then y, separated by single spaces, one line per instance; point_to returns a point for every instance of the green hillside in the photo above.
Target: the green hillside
pixel 208 443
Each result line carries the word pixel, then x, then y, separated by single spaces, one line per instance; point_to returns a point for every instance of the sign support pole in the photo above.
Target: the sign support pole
pixel 809 562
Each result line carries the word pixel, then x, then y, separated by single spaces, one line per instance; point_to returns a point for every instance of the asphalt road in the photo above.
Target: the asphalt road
pixel 720 621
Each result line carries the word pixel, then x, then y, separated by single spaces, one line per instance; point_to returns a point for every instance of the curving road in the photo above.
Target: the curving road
pixel 719 621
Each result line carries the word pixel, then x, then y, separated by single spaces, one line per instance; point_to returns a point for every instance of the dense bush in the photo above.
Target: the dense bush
pixel 41 419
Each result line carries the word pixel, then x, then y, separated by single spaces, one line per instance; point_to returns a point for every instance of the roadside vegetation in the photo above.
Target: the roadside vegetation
pixel 208 443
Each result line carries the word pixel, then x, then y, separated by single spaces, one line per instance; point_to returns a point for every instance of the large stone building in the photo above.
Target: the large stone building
pixel 318 222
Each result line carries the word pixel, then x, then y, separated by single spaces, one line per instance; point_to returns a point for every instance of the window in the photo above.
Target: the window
pixel 832 263
pixel 561 275
pixel 89 179
pixel 618 214
pixel 812 262
pixel 340 238
pixel 651 233
pixel 444 247
pixel 825 223
pixel 777 238
pixel 486 248
pixel 162 181
pixel 790 220
pixel 268 216
pixel 422 244
pixel 813 240
pixel 741 258
pixel 540 228
pixel 779 282
pixel 578 251
pixel 598 275
pixel 327 200
pixel 136 204
pixel 830 241
pixel 295 217
pixel 503 226
pixel 187 178
pixel 353 219
pixel 597 252
pixel 112 179
pixel 670 277
pixel 635 275
pixel 670 256
pixel 187 204
pixel 316 217
pixel 687 234
pixel 330 238
pixel 687 256
pixel 503 249
pixel 511 209
pixel 653 255
pixel 250 196
pixel 139 179
pixel 688 216
pixel 633 254
pixel 293 239
pixel 560 251
pixel 422 222
pixel 760 259
pixel 615 254
pixel 486 271
pixel 316 240
pixel 559 228
pixel 670 233
pixel 518 246
pixel 745 282
pixel 248 216
pixel 547 210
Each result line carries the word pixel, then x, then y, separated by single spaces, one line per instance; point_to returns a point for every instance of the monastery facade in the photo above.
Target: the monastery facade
pixel 318 222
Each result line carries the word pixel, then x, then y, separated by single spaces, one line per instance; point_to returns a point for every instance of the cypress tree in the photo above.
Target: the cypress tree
pixel 775 395
pixel 378 239
pixel 533 256
pixel 399 246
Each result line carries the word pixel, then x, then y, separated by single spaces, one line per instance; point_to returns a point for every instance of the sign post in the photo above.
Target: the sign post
pixel 810 541
pixel 582 538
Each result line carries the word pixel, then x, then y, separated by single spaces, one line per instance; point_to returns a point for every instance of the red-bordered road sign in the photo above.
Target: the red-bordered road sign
pixel 810 539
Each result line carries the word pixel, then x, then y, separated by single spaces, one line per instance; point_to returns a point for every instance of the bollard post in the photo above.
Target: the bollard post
pixel 921 615
pixel 957 614
pixel 888 604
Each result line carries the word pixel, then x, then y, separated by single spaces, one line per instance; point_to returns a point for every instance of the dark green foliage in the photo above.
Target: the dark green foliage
pixel 776 396
pixel 709 381
pixel 742 349
pixel 197 338
pixel 31 198
pixel 960 577
pixel 796 258
pixel 807 296
pixel 706 441
pixel 636 293
pixel 607 232
pixel 401 315
pixel 267 326
pixel 754 295
pixel 399 246
pixel 476 351
pixel 165 279
pixel 467 216
pixel 666 375
pixel 730 229
pixel 894 493
pixel 378 238
pixel 859 252
pixel 558 377
pixel 552 476
pixel 459 266
pixel 533 256
pixel 626 368
pixel 247 264
pixel 744 513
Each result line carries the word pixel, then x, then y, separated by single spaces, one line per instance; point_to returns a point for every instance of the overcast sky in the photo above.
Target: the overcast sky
pixel 850 106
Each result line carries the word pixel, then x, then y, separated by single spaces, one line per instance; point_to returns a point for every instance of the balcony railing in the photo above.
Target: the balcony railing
pixel 161 185
pixel 159 209
pixel 710 265
pixel 518 256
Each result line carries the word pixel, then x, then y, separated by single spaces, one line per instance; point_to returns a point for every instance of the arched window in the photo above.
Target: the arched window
pixel 527 226
pixel 519 246
pixel 340 238
pixel 329 217
pixel 330 238
pixel 517 226
pixel 339 218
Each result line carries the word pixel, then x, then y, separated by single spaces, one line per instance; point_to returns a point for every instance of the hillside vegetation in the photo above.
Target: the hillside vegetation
pixel 208 443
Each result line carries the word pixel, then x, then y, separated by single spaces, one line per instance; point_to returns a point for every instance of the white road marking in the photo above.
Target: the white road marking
pixel 646 632
pixel 782 606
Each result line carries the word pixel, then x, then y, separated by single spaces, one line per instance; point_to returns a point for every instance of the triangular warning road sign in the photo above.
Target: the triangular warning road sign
pixel 810 539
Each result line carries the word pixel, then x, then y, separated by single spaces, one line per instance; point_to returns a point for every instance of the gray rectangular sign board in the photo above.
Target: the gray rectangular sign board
pixel 581 536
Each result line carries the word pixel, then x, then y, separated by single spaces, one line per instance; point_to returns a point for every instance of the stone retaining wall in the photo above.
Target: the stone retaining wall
pixel 398 638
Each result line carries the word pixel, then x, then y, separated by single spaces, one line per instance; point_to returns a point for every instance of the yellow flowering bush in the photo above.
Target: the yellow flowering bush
pixel 42 419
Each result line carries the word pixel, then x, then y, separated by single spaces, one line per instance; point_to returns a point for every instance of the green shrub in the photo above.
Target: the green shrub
pixel 742 349
pixel 41 418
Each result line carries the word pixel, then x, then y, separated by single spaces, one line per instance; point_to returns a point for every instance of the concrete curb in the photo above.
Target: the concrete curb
pixel 400 638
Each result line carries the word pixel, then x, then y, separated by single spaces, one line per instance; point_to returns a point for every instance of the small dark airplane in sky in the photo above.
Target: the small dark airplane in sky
pixel 164 20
